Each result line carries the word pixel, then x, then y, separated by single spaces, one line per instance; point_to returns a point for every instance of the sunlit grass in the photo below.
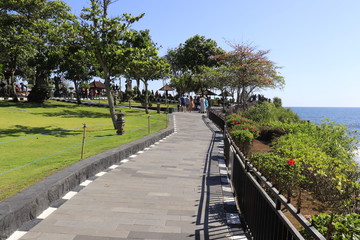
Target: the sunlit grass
pixel 37 140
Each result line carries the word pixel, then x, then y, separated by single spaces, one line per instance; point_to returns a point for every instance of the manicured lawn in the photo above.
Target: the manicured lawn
pixel 37 140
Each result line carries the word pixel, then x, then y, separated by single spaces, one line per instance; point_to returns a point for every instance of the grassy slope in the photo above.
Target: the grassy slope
pixel 22 139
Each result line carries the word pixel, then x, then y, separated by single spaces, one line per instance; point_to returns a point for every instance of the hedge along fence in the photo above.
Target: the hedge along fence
pixel 259 201
pixel 26 205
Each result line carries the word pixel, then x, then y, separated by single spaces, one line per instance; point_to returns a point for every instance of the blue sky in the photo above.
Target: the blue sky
pixel 317 43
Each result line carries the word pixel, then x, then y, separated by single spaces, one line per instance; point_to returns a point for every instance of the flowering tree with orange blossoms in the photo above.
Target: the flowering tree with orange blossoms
pixel 251 70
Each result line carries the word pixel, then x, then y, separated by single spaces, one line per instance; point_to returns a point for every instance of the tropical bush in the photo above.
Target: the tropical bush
pixel 242 130
pixel 337 227
pixel 280 171
pixel 326 171
pixel 265 113
pixel 277 102
pixel 317 158
pixel 323 154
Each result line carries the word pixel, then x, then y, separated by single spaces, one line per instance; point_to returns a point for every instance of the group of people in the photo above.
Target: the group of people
pixel 89 93
pixel 188 104
pixel 6 89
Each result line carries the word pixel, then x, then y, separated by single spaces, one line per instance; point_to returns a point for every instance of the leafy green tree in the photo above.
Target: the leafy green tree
pixel 77 63
pixel 154 68
pixel 147 69
pixel 16 44
pixel 181 78
pixel 139 48
pixel 48 22
pixel 30 36
pixel 189 58
pixel 196 52
pixel 145 64
pixel 219 77
pixel 106 37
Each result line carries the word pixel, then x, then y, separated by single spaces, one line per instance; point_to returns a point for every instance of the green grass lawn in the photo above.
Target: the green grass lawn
pixel 37 140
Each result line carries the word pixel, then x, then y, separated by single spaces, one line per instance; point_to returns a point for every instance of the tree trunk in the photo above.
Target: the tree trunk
pixel 243 98
pixel 146 97
pixel 57 87
pixel 138 87
pixel 110 98
pixel 77 94
pixel 238 95
pixel 223 102
pixel 40 92
pixel 12 79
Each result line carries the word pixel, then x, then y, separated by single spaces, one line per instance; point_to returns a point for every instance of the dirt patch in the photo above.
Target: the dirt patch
pixel 259 147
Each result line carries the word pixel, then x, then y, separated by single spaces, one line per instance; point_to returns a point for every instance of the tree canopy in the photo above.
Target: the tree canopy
pixel 30 36
pixel 188 59
pixel 249 70
pixel 41 40
pixel 145 64
pixel 107 38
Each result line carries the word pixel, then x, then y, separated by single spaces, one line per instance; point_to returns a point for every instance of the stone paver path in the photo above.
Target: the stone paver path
pixel 173 190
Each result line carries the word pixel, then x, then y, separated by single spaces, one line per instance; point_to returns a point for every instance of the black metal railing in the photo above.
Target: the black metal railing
pixel 260 202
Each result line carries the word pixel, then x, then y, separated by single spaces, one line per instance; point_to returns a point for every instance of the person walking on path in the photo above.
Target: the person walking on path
pixel 202 105
pixel 187 103
pixel 182 103
pixel 191 104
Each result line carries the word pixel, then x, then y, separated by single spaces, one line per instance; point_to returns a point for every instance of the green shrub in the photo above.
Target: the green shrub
pixel 277 102
pixel 332 138
pixel 265 112
pixel 236 122
pixel 243 139
pixel 329 176
pixel 242 130
pixel 337 227
pixel 275 168
pixel 260 112
pixel 314 157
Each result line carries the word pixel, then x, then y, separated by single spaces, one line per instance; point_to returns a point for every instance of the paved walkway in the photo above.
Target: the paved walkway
pixel 176 189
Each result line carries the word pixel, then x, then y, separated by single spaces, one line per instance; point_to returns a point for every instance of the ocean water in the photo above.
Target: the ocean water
pixel 347 116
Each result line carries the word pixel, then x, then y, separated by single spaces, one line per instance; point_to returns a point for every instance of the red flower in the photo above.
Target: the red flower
pixel 291 162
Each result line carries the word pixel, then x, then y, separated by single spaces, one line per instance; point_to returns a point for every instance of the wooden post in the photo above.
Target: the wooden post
pixel 83 142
